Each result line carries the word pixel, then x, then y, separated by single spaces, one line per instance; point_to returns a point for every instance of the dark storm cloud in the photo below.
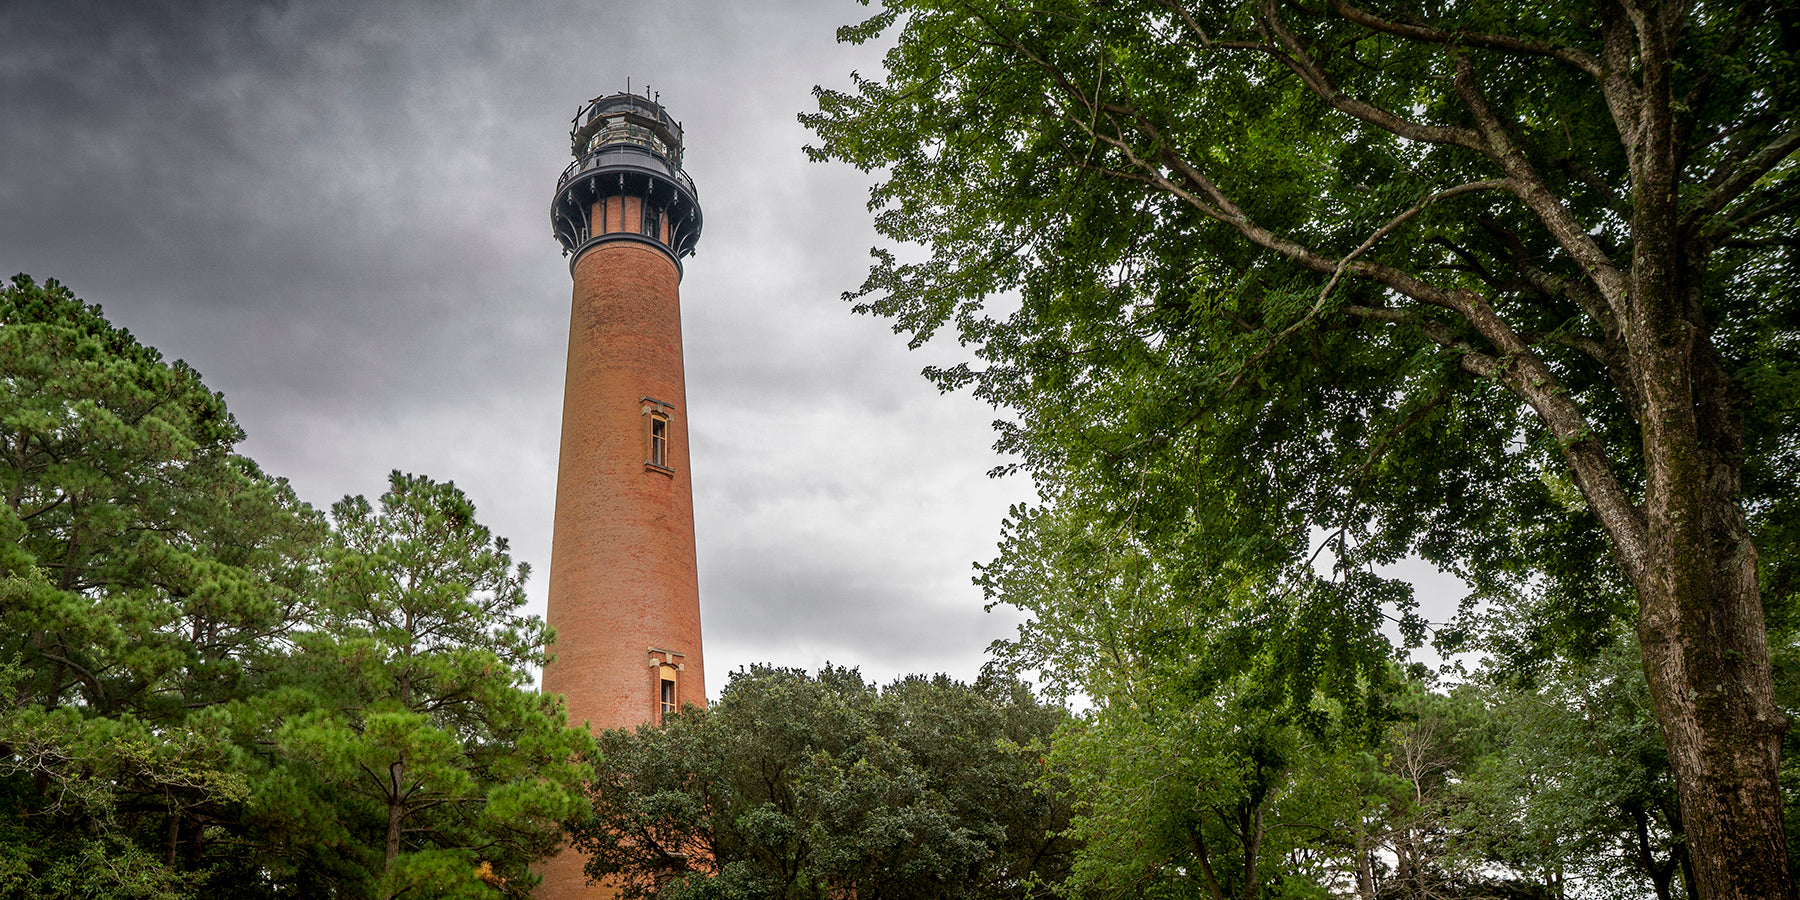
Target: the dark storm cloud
pixel 186 129
pixel 337 212
pixel 252 174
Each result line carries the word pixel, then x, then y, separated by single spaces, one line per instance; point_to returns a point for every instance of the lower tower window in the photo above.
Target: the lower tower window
pixel 667 675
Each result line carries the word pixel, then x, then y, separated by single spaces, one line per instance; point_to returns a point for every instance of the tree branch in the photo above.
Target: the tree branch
pixel 1526 375
pixel 1518 367
pixel 1528 185
pixel 1622 93
pixel 1757 216
pixel 1206 39
pixel 1586 346
pixel 1464 38
pixel 1301 63
pixel 1343 264
pixel 1743 20
pixel 1743 177
pixel 1434 331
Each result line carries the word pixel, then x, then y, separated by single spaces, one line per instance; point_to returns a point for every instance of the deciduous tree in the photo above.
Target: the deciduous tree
pixel 1506 286
pixel 1574 783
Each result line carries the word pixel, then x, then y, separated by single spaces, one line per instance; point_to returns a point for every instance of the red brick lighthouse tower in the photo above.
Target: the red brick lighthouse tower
pixel 624 594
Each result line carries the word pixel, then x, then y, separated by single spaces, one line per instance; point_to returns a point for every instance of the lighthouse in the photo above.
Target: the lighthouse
pixel 624 590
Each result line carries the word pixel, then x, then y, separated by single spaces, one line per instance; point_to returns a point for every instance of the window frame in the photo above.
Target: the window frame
pixel 659 435
pixel 665 676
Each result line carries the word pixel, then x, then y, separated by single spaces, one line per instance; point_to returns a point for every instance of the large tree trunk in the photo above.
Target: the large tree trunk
pixel 1700 622
pixel 1700 619
pixel 1706 655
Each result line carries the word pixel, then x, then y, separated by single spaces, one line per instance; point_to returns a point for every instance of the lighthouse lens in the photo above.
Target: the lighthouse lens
pixel 622 132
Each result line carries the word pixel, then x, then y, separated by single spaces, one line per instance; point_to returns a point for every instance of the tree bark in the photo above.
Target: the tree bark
pixel 395 825
pixel 1706 656
pixel 1365 873
pixel 1700 619
pixel 1252 824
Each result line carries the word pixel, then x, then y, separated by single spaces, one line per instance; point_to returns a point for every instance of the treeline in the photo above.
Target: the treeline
pixel 1172 785
pixel 212 690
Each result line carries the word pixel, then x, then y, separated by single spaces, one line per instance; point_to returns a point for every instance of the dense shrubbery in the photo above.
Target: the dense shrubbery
pixel 797 787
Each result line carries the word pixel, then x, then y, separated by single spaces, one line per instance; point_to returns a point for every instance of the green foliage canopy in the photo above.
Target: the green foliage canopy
pixel 1509 287
pixel 420 726
pixel 147 573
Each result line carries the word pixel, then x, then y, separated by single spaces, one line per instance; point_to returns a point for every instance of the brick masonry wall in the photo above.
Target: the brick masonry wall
pixel 623 575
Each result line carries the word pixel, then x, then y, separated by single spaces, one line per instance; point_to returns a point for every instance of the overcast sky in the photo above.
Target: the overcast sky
pixel 338 212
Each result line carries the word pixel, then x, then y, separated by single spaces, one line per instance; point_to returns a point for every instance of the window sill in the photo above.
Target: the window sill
pixel 653 467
